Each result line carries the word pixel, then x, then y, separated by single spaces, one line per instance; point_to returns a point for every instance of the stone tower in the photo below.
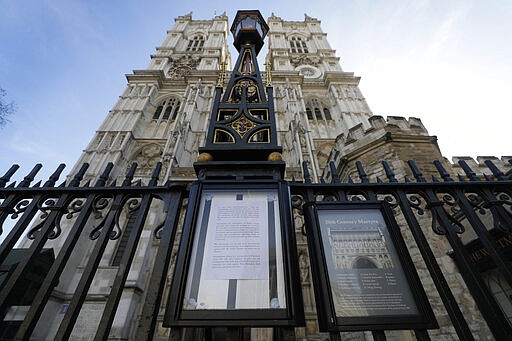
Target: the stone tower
pixel 163 113
pixel 315 99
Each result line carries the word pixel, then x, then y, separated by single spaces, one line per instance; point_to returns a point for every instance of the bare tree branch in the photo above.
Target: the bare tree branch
pixel 6 109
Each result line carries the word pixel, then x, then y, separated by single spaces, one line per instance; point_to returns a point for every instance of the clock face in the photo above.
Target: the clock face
pixel 308 71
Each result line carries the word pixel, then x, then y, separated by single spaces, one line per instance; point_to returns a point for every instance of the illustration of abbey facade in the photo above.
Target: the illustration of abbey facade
pixel 321 116
pixel 360 248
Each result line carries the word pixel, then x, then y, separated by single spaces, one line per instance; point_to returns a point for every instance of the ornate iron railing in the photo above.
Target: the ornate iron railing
pixel 449 209
pixel 63 215
pixel 48 223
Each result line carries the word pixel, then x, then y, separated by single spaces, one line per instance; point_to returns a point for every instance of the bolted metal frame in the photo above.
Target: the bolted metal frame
pixel 292 315
pixel 327 317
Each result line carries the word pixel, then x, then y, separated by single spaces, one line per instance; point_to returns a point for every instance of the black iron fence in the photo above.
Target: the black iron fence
pixel 45 225
pixel 65 213
pixel 474 208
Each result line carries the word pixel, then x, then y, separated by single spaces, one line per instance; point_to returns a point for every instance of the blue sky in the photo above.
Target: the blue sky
pixel 446 62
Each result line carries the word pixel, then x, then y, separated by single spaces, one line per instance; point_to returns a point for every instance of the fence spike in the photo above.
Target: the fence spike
pixel 62 184
pixel 129 176
pixel 335 177
pixel 138 183
pixel 37 185
pixel 495 171
pixel 487 177
pixel 12 185
pixel 156 173
pixel 442 171
pixel 7 176
pixel 293 179
pixel 416 171
pixel 350 181
pixel 79 176
pixel 469 172
pixel 361 172
pixel 30 177
pixel 113 183
pixel 407 179
pixel 434 178
pixel 55 176
pixel 461 178
pixel 389 172
pixel 104 176
pixel 305 170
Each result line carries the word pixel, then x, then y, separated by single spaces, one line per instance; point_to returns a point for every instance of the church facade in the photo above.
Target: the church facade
pixel 163 113
pixel 321 118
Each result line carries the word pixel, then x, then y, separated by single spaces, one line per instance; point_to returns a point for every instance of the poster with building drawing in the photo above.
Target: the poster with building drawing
pixel 365 273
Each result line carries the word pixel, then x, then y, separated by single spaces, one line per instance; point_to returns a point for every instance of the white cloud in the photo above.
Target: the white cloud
pixel 20 144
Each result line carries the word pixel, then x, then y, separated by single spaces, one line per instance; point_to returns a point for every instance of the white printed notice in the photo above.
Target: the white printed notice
pixel 237 240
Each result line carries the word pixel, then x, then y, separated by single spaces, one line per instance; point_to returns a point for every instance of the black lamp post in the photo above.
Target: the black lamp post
pixel 249 27
pixel 237 264
pixel 242 124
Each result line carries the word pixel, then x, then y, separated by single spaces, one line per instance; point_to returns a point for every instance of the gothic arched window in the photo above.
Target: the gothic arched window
pixel 317 111
pixel 298 45
pixel 501 291
pixel 168 109
pixel 195 44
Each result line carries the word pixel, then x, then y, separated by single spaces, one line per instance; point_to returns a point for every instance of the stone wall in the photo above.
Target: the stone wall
pixel 398 140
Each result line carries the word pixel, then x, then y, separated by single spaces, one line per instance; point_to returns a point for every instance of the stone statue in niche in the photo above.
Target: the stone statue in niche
pixel 279 91
pixel 291 92
pixel 204 91
pixel 304 267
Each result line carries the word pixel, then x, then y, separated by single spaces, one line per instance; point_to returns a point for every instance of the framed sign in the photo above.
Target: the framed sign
pixel 364 277
pixel 235 261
